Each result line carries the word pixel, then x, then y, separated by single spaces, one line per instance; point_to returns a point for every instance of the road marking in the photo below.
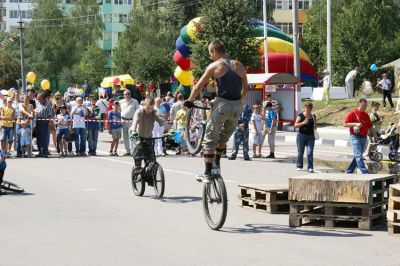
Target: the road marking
pixel 166 170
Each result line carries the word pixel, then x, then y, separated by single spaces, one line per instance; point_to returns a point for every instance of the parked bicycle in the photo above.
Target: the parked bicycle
pixel 215 199
pixel 9 186
pixel 147 169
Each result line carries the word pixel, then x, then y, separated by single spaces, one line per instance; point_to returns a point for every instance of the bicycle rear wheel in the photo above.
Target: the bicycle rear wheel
pixel 158 181
pixel 137 178
pixel 215 202
pixel 195 128
pixel 11 187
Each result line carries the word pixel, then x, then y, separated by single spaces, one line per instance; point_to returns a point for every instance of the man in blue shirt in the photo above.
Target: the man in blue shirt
pixel 241 134
pixel 270 127
pixel 93 126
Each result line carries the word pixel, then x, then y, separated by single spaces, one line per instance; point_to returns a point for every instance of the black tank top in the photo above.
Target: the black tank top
pixel 229 86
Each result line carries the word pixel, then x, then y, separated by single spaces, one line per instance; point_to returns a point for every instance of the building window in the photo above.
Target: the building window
pixel 300 4
pixel 123 18
pixel 108 18
pixel 278 4
pixel 306 4
pixel 107 36
pixel 122 2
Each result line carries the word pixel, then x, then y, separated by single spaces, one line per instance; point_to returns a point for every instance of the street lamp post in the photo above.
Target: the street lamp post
pixel 265 36
pixel 21 48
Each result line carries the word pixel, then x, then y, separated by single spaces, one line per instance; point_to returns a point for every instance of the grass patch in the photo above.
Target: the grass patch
pixel 333 114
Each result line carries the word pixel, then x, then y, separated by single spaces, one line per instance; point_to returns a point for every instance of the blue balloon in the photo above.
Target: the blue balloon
pixel 182 47
pixel 373 67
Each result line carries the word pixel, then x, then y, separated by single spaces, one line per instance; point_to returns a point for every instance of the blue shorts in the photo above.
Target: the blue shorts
pixel 25 140
pixel 62 133
pixel 7 134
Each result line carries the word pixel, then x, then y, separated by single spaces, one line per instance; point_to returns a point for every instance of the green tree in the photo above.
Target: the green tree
pixel 49 46
pixel 9 60
pixel 92 64
pixel 363 32
pixel 145 52
pixel 87 25
pixel 227 21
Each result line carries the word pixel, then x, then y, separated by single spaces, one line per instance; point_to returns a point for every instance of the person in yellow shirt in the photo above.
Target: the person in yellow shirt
pixel 180 121
pixel 8 116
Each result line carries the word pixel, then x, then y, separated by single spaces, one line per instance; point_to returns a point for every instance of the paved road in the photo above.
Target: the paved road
pixel 81 211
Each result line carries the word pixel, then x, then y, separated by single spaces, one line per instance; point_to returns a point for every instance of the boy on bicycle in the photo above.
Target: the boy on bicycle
pixel 231 92
pixel 142 126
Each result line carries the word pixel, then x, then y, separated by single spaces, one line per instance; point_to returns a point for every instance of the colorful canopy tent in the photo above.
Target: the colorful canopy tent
pixel 108 82
pixel 282 88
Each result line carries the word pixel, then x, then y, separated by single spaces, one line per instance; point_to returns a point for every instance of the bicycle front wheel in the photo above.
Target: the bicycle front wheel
pixel 195 129
pixel 215 203
pixel 158 181
pixel 11 187
pixel 137 179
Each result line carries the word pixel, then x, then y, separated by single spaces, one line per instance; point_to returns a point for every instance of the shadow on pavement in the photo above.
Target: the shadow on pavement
pixel 259 228
pixel 184 199
pixel 14 194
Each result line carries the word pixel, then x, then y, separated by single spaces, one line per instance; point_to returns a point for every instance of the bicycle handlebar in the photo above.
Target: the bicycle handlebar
pixel 199 107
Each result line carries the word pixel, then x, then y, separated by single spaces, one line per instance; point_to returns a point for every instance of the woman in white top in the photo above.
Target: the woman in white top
pixel 326 83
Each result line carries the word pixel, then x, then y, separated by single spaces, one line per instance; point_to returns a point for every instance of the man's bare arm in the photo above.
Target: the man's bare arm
pixel 202 82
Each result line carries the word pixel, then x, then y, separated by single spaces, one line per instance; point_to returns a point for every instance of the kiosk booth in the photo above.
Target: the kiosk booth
pixel 282 87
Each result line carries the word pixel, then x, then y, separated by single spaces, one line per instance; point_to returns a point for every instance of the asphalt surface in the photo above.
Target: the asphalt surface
pixel 81 211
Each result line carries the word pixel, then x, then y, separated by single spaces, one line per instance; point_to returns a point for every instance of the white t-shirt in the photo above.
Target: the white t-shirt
pixel 351 75
pixel 326 81
pixel 258 119
pixel 386 84
pixel 63 121
pixel 79 117
pixel 102 104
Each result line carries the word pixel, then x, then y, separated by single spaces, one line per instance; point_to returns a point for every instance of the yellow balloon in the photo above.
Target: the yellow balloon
pixel 10 93
pixel 31 77
pixel 45 84
pixel 193 27
pixel 184 77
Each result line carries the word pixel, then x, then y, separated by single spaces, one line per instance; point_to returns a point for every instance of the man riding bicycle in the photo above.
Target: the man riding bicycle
pixel 231 92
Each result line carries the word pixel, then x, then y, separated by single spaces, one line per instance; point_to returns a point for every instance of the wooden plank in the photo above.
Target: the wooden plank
pixel 338 188
pixel 269 188
pixel 394 190
pixel 394 203
pixel 393 216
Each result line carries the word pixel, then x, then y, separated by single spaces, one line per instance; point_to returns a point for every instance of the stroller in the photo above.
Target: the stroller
pixel 391 138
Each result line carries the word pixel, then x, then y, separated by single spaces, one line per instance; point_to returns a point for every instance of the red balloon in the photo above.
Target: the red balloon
pixel 183 62
pixel 116 81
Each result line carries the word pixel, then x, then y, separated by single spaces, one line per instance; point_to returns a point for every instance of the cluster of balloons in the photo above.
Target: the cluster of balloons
pixel 183 73
pixel 31 77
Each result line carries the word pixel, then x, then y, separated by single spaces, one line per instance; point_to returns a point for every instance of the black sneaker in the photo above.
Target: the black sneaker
pixel 247 159
pixel 3 192
pixel 271 156
pixel 232 158
pixel 204 178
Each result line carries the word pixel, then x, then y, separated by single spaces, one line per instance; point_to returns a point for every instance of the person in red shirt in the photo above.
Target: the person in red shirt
pixel 360 124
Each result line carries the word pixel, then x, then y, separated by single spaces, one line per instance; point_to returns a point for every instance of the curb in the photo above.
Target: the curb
pixel 321 142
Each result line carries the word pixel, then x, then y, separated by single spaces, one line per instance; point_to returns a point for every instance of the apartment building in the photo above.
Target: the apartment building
pixel 283 16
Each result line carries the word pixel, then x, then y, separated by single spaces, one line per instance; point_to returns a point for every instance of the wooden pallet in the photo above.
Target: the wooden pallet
pixel 368 189
pixel 393 228
pixel 337 215
pixel 267 198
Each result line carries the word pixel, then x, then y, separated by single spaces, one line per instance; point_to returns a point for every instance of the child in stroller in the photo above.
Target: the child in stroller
pixel 389 137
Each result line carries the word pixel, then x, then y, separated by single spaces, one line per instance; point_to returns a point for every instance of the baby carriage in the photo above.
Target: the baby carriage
pixel 391 138
pixel 170 141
